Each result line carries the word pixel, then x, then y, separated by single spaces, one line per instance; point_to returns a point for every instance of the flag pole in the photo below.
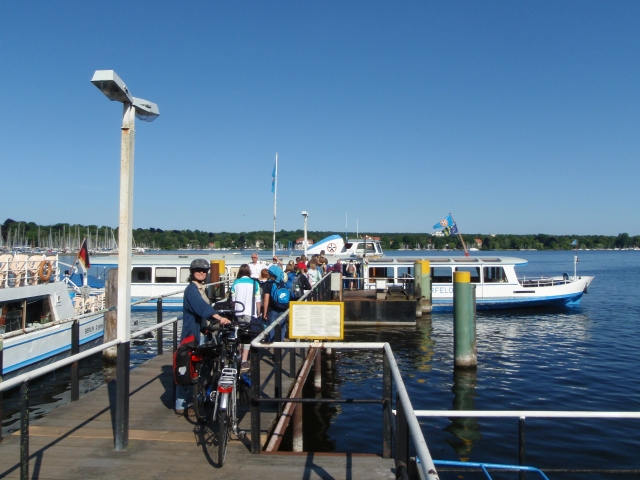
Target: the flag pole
pixel 466 253
pixel 275 196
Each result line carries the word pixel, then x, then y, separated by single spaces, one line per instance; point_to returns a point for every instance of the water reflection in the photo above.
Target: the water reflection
pixel 466 429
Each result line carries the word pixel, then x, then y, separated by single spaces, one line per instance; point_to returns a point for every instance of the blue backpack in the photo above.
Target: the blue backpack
pixel 280 294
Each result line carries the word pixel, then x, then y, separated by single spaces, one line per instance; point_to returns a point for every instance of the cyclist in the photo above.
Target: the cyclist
pixel 196 312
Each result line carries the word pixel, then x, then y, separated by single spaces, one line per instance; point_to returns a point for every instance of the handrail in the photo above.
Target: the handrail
pixel 426 466
pixel 17 333
pixel 15 381
pixel 523 414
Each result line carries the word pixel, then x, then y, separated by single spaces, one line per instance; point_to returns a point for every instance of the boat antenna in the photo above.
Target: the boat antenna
pixel 466 252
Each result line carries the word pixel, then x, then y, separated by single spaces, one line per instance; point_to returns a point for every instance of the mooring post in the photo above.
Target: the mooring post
pixel 24 430
pixel 425 286
pixel 111 318
pixel 159 320
pixel 417 286
pixel 464 320
pixel 75 349
pixel 175 347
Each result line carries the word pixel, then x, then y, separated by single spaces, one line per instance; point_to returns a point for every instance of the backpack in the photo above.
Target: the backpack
pixel 296 288
pixel 280 294
pixel 184 369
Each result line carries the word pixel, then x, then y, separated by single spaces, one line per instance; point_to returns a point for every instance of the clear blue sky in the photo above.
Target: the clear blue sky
pixel 517 117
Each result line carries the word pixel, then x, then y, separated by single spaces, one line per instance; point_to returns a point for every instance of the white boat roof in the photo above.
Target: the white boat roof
pixel 266 257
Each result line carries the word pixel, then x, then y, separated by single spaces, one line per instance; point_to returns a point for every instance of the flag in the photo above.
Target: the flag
pixel 445 222
pixel 83 254
pixel 273 181
pixel 575 242
pixel 452 230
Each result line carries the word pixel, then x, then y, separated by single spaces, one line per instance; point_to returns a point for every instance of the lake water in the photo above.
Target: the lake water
pixel 573 360
pixel 577 359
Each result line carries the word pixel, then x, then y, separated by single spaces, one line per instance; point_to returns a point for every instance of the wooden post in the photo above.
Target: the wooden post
pixel 425 286
pixel 111 318
pixel 417 286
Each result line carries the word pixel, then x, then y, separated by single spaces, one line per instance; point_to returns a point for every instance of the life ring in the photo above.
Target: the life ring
pixel 45 264
pixel 331 248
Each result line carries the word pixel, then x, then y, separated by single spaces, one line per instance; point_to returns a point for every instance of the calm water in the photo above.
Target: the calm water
pixel 580 359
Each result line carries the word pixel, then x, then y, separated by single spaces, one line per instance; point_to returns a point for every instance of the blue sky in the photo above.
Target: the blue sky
pixel 517 117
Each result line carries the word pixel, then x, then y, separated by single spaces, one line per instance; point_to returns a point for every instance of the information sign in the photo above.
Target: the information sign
pixel 316 320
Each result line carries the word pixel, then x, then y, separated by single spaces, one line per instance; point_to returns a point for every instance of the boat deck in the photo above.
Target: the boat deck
pixel 76 441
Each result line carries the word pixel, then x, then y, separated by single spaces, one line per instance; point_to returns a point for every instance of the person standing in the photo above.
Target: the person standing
pixel 315 275
pixel 270 307
pixel 256 266
pixel 196 312
pixel 246 291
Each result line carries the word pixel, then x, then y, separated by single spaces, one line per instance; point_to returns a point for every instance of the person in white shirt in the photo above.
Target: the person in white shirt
pixel 315 275
pixel 256 266
pixel 246 291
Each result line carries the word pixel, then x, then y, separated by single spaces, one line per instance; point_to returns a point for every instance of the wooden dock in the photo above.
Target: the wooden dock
pixel 76 441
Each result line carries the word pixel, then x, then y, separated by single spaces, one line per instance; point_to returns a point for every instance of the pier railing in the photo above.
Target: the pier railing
pixel 399 432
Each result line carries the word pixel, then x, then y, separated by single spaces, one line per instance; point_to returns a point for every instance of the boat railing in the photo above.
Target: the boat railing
pixel 21 269
pixel 522 415
pixel 543 281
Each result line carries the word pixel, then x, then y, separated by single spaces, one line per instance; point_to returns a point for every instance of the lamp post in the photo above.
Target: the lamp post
pixel 109 83
pixel 305 215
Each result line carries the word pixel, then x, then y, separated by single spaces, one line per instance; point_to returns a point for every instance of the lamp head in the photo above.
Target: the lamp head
pixel 145 110
pixel 109 83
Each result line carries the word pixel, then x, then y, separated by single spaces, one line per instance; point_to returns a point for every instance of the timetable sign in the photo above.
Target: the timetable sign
pixel 316 320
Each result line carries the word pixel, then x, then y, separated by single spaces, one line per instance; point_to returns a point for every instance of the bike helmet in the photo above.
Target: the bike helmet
pixel 199 263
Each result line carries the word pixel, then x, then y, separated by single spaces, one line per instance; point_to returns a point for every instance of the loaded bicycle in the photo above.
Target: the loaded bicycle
pixel 216 390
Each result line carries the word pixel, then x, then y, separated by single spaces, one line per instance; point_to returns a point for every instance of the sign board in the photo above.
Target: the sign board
pixel 316 320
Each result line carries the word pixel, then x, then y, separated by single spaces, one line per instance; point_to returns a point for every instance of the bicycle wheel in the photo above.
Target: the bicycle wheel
pixel 200 400
pixel 222 435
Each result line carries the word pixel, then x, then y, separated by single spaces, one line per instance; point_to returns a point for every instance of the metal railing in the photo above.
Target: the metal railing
pixel 522 415
pixel 399 431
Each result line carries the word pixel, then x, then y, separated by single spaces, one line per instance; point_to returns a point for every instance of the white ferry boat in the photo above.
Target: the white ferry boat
pixel 497 285
pixel 32 296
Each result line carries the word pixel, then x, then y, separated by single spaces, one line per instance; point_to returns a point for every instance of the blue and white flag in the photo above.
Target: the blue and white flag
pixel 273 180
pixel 445 222
pixel 575 242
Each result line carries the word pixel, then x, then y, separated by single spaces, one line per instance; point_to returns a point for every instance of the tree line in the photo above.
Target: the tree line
pixel 35 235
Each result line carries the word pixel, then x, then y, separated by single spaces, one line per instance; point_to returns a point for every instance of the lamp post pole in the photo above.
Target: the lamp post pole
pixel 125 226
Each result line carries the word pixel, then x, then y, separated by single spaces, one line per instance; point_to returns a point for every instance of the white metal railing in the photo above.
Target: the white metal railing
pixel 426 466
pixel 21 269
pixel 523 414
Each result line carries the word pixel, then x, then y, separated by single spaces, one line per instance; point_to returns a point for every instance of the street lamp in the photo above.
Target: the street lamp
pixel 109 83
pixel 305 215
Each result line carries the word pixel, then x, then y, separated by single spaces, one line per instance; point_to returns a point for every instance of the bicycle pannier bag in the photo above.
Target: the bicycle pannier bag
pixel 184 371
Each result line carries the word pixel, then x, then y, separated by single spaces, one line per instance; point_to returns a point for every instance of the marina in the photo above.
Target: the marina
pixel 547 360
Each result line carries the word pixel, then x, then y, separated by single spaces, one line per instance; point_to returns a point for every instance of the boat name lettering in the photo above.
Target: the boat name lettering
pixel 442 290
pixel 93 328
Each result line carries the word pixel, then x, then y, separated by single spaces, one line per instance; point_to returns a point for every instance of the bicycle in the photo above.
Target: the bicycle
pixel 215 393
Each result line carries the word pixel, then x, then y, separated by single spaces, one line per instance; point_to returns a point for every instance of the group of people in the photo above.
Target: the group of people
pixel 254 289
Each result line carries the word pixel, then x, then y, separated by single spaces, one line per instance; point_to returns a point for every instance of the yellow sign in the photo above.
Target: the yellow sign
pixel 316 320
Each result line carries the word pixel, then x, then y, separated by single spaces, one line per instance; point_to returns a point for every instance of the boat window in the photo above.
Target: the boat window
pixel 441 275
pixel 404 272
pixel 184 275
pixel 378 248
pixel 166 275
pixel 473 271
pixel 494 275
pixel 141 275
pixel 378 273
pixel 19 314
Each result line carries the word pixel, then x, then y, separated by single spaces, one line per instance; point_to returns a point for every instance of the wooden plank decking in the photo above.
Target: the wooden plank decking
pixel 75 441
